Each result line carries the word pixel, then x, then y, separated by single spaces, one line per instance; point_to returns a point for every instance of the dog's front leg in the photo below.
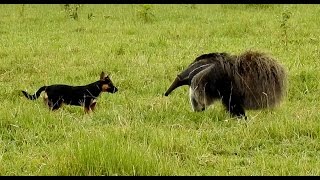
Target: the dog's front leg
pixel 87 106
pixel 93 105
pixel 87 110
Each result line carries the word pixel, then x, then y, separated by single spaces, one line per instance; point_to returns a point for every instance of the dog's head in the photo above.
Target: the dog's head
pixel 106 84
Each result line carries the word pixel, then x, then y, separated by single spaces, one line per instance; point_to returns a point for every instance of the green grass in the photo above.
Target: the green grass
pixel 138 131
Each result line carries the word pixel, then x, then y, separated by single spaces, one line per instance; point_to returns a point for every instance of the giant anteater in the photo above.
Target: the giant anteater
pixel 251 80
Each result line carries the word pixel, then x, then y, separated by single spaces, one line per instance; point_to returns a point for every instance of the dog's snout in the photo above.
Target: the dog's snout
pixel 115 89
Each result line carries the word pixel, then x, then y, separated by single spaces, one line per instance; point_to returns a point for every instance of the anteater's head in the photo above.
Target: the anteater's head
pixel 185 77
pixel 106 84
pixel 199 64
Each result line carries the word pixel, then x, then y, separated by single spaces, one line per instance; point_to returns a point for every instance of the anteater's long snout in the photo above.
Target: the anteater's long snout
pixel 176 83
pixel 185 76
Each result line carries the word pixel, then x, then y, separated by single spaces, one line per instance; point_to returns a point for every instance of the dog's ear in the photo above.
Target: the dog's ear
pixel 102 75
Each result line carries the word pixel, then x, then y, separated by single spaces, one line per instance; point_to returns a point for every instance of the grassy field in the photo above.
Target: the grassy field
pixel 138 131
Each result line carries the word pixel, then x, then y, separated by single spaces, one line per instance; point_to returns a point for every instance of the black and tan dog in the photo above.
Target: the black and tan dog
pixel 86 96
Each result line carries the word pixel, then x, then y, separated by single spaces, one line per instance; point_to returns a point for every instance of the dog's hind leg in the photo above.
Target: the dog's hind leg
pixel 55 104
pixel 46 99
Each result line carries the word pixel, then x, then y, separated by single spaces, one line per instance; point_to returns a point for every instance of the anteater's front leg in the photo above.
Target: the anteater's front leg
pixel 233 106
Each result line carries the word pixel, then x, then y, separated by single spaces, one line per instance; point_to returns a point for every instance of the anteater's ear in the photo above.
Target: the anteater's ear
pixel 102 75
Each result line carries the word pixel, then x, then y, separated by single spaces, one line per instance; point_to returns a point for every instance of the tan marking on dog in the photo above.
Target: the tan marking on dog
pixel 105 87
pixel 45 99
pixel 93 104
pixel 87 110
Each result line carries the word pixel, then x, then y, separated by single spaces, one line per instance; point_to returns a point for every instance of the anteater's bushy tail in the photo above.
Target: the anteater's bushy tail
pixel 36 95
pixel 260 78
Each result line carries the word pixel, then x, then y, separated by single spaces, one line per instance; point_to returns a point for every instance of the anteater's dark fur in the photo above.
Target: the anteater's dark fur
pixel 252 80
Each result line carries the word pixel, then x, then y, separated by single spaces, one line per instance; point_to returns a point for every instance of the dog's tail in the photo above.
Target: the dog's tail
pixel 36 95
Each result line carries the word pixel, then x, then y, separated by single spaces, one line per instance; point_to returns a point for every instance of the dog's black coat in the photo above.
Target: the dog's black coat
pixel 58 94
